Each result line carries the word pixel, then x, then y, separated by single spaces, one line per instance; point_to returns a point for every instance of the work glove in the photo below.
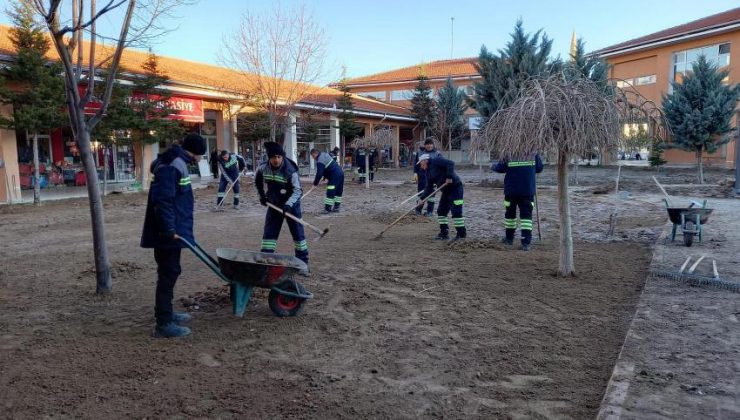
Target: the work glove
pixel 416 178
pixel 263 201
pixel 287 209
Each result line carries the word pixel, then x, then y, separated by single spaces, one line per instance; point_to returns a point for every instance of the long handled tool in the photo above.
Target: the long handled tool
pixel 421 203
pixel 231 185
pixel 668 198
pixel 537 212
pixel 308 192
pixel 321 232
pixel 407 200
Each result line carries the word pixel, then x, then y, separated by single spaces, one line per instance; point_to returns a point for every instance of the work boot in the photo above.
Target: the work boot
pixel 418 212
pixel 180 318
pixel 507 241
pixel 305 272
pixel 444 233
pixel 524 247
pixel 171 330
pixel 336 209
pixel 429 214
pixel 236 207
pixel 462 233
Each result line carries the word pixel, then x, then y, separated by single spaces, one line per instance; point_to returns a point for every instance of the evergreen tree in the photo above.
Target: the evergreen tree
pixel 700 109
pixel 656 154
pixel 502 74
pixel 152 110
pixel 423 105
pixel 348 128
pixel 451 112
pixel 37 96
pixel 593 67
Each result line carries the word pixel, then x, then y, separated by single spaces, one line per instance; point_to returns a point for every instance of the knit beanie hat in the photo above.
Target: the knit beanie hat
pixel 194 144
pixel 273 149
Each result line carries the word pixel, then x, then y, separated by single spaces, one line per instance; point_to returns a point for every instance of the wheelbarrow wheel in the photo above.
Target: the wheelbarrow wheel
pixel 688 234
pixel 283 305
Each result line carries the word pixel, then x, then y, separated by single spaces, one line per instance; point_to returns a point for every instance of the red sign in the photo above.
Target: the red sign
pixel 184 109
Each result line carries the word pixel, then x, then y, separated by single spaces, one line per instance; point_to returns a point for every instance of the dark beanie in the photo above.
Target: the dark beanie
pixel 273 149
pixel 194 144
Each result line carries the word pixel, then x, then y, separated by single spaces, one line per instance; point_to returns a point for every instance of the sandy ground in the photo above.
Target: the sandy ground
pixel 402 327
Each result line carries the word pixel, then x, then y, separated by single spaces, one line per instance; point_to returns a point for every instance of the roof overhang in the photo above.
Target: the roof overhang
pixel 673 39
pixel 404 81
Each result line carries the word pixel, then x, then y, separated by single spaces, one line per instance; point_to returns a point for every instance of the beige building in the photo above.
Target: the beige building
pixel 650 63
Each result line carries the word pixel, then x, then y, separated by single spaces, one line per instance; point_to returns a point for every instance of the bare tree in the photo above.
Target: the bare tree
pixel 281 55
pixel 377 139
pixel 137 25
pixel 566 116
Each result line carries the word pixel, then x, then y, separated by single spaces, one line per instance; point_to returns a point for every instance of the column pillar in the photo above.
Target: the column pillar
pixel 396 145
pixel 334 132
pixel 150 153
pixel 10 181
pixel 290 141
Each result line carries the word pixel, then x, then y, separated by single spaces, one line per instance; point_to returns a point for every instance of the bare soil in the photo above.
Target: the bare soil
pixel 401 327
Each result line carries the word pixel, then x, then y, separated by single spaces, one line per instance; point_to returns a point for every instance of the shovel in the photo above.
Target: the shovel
pixel 301 221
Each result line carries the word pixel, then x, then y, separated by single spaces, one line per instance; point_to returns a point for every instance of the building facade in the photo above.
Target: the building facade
pixel 650 63
pixel 208 100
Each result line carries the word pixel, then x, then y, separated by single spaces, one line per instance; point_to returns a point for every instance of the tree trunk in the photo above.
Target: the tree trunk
pixel 100 248
pixel 700 165
pixel 142 166
pixel 565 264
pixel 575 171
pixel 36 177
pixel 367 169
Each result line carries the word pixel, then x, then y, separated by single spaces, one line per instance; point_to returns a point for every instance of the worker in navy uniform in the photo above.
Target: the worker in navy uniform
pixel 335 152
pixel 231 165
pixel 373 158
pixel 420 176
pixel 519 191
pixel 360 153
pixel 328 168
pixel 169 217
pixel 280 174
pixel 441 171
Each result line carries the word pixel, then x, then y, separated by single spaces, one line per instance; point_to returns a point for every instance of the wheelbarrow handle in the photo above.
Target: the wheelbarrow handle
pixel 206 258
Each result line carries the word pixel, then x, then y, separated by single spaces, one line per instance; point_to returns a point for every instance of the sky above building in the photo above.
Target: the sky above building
pixel 368 37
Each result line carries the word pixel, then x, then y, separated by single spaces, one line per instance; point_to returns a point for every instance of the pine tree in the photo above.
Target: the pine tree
pixel 348 128
pixel 700 109
pixel 152 110
pixel 423 105
pixel 38 106
pixel 656 154
pixel 593 67
pixel 451 109
pixel 502 74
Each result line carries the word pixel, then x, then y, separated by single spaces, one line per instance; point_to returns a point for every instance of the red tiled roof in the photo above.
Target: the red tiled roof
pixel 205 75
pixel 434 69
pixel 710 22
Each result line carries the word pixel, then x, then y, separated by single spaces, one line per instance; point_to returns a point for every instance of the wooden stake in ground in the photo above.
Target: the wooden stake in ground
pixel 619 171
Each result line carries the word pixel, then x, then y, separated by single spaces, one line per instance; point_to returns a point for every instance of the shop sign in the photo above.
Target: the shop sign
pixel 184 109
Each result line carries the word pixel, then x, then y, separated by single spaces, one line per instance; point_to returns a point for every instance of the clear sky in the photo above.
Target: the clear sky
pixel 377 35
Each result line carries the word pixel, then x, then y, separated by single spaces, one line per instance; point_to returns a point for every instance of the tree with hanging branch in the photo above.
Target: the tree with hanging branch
pixel 137 25
pixel 378 139
pixel 565 116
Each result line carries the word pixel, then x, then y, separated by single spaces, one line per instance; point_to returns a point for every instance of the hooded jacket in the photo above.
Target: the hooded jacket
pixel 326 167
pixel 169 207
pixel 283 183
pixel 438 171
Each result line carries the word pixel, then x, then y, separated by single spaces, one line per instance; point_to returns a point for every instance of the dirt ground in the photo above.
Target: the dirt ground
pixel 402 327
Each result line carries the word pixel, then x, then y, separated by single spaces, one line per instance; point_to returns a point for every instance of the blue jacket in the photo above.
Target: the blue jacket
pixel 231 167
pixel 439 170
pixel 433 154
pixel 326 167
pixel 283 183
pixel 520 176
pixel 169 207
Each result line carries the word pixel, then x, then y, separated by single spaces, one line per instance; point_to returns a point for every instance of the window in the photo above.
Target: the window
pixel 469 90
pixel 380 95
pixel 402 95
pixel 474 123
pixel 718 54
pixel 626 83
pixel 645 80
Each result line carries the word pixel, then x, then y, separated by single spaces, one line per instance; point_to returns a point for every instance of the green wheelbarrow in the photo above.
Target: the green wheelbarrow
pixel 245 270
